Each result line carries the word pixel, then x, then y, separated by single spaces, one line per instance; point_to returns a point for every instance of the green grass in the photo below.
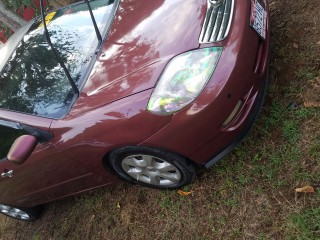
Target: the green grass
pixel 304 225
pixel 314 150
pixel 306 74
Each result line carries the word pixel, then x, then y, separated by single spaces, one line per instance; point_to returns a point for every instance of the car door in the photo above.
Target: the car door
pixel 19 181
pixel 46 175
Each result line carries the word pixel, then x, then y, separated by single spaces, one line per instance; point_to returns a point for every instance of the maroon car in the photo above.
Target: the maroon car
pixel 145 91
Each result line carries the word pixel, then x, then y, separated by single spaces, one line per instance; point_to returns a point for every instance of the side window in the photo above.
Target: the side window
pixel 7 136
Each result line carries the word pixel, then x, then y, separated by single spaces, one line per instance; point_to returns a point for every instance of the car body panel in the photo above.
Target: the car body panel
pixel 35 121
pixel 139 45
pixel 110 112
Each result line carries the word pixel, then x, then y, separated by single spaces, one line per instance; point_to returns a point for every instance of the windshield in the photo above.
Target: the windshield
pixel 32 81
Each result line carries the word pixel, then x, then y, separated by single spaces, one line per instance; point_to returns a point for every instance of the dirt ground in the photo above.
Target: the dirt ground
pixel 248 195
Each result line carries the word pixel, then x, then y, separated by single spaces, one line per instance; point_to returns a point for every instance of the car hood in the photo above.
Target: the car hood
pixel 143 37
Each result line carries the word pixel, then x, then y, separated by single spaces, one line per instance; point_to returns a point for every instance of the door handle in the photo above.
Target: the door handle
pixel 8 174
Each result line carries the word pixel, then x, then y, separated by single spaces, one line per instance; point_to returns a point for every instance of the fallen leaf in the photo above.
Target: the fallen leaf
pixel 118 205
pixel 305 189
pixel 311 104
pixel 183 193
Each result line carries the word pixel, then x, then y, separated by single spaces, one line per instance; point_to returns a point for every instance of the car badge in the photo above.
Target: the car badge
pixel 215 2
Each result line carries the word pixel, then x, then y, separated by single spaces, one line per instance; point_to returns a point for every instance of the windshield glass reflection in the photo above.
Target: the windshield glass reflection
pixel 32 81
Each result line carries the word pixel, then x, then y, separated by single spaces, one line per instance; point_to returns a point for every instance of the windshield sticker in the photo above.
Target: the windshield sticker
pixel 48 19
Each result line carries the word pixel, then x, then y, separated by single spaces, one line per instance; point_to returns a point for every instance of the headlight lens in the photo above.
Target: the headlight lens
pixel 183 79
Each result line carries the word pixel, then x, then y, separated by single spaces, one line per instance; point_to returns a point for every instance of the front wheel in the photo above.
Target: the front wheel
pixel 24 214
pixel 150 167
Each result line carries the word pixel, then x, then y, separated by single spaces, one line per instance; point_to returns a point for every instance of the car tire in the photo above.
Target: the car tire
pixel 152 167
pixel 21 213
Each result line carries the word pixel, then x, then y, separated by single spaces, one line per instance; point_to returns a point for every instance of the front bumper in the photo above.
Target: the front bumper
pixel 198 131
pixel 251 120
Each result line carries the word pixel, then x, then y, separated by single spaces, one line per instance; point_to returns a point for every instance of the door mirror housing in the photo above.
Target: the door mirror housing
pixel 22 148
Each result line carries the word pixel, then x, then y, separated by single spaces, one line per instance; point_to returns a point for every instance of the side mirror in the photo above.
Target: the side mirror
pixel 22 148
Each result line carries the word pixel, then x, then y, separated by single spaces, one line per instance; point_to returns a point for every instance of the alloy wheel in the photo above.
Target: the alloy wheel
pixel 151 170
pixel 14 212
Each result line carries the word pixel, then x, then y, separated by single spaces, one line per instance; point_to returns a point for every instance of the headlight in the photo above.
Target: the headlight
pixel 183 79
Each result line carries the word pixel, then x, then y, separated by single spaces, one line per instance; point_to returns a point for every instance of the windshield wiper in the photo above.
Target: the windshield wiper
pixel 61 63
pixel 94 23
